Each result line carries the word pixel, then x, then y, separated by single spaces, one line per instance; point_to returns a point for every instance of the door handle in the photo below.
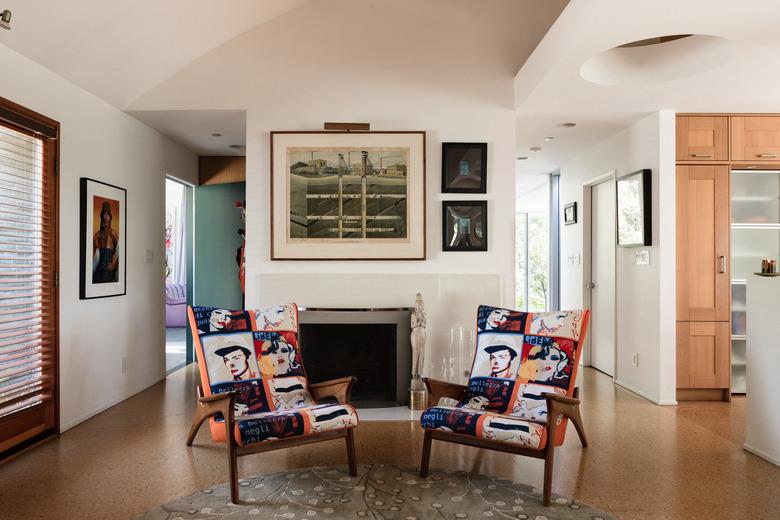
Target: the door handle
pixel 702 155
pixel 590 285
pixel 722 260
pixel 767 155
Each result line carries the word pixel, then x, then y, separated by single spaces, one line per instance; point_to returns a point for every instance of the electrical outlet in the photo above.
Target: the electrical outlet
pixel 124 364
pixel 635 359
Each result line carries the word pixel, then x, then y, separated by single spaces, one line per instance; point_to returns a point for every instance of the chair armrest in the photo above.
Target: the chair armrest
pixel 439 389
pixel 338 388
pixel 561 405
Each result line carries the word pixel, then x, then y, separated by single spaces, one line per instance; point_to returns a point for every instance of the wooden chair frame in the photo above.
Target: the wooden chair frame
pixel 557 406
pixel 223 403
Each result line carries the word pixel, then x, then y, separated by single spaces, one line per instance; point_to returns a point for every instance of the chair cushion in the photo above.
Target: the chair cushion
pixel 257 428
pixel 485 425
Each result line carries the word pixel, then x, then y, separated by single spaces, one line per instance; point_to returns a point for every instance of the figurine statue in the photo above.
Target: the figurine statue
pixel 418 337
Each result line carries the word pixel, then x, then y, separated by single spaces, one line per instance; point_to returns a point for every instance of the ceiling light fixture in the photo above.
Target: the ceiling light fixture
pixel 567 125
pixel 216 135
pixel 548 139
pixel 5 19
pixel 536 149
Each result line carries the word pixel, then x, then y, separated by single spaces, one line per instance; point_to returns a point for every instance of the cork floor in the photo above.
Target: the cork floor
pixel 644 461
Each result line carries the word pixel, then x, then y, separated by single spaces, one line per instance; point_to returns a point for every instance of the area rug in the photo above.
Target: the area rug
pixel 380 491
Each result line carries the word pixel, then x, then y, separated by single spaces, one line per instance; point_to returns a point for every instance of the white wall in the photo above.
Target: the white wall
pixel 101 142
pixel 445 67
pixel 645 299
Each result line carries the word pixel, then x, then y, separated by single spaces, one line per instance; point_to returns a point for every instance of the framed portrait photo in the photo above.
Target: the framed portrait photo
pixel 464 168
pixel 103 239
pixel 347 195
pixel 570 213
pixel 633 209
pixel 464 225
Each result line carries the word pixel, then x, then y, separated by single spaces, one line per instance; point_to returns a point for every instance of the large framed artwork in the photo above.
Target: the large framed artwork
pixel 103 230
pixel 347 196
pixel 633 209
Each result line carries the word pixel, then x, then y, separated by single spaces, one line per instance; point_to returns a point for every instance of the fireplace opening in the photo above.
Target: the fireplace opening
pixel 366 351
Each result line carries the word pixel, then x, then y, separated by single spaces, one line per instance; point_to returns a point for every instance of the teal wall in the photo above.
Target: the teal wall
pixel 217 221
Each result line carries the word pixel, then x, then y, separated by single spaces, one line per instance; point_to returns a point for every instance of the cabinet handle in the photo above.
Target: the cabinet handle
pixel 702 155
pixel 722 260
pixel 768 155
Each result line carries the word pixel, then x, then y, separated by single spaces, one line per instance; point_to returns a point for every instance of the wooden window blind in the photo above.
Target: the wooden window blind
pixel 28 277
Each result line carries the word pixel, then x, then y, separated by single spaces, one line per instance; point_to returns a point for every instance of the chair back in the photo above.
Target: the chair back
pixel 519 356
pixel 254 353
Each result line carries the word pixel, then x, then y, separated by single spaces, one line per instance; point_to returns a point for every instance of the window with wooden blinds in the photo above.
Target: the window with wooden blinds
pixel 28 276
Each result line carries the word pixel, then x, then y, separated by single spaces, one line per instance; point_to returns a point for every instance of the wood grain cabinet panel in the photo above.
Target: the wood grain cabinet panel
pixel 702 138
pixel 703 229
pixel 755 138
pixel 703 355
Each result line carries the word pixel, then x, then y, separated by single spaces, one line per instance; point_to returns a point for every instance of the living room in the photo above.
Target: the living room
pixel 336 120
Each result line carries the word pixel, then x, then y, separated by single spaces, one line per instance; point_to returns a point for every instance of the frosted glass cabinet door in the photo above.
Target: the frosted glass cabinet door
pixel 755 197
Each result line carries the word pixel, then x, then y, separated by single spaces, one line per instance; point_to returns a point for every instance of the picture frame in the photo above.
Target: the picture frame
pixel 348 195
pixel 464 168
pixel 570 213
pixel 464 225
pixel 633 207
pixel 102 239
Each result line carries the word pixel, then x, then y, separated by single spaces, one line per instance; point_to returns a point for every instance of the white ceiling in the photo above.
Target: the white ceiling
pixel 119 49
pixel 193 128
pixel 549 89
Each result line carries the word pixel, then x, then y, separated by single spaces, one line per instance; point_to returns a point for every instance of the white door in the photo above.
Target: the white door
pixel 602 324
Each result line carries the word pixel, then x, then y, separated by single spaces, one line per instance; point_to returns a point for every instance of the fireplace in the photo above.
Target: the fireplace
pixel 371 344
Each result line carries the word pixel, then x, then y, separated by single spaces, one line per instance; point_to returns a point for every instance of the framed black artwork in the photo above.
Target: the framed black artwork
pixel 633 209
pixel 464 225
pixel 464 168
pixel 103 240
pixel 570 213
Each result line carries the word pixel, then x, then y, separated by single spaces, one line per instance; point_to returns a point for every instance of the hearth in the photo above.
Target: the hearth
pixel 371 344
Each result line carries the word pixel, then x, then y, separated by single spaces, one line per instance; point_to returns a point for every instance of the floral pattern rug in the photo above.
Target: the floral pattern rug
pixel 380 491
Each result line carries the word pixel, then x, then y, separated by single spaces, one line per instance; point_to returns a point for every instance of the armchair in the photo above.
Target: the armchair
pixel 521 391
pixel 254 390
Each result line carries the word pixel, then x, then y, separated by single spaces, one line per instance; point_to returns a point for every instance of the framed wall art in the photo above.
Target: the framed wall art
pixel 464 168
pixel 347 195
pixel 464 225
pixel 103 239
pixel 633 209
pixel 570 213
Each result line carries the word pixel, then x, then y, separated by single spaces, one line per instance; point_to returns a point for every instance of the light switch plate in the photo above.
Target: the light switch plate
pixel 642 257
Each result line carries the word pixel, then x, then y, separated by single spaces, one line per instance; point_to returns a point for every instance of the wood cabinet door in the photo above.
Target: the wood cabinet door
pixel 702 138
pixel 703 228
pixel 755 138
pixel 703 354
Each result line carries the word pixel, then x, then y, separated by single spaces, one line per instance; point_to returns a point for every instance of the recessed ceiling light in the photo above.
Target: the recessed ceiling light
pixel 567 125
pixel 549 138
pixel 535 149
pixel 236 146
pixel 216 135
pixel 522 158
pixel 5 19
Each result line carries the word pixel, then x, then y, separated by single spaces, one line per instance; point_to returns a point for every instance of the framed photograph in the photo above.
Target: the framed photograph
pixel 570 213
pixel 464 167
pixel 464 225
pixel 347 196
pixel 634 209
pixel 103 236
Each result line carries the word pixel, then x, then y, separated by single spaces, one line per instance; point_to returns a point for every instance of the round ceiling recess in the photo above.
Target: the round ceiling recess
pixel 661 58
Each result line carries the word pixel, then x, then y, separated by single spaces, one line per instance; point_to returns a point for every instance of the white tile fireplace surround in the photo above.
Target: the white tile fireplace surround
pixel 451 302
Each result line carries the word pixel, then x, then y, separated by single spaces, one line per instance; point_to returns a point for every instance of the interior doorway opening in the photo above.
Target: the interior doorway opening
pixel 177 274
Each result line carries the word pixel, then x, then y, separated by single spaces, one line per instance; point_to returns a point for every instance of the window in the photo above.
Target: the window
pixel 28 276
pixel 532 245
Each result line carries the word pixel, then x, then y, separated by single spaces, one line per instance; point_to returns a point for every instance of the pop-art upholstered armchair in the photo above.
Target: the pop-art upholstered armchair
pixel 254 388
pixel 521 390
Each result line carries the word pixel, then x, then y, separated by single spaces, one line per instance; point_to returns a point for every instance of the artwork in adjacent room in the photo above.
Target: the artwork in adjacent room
pixel 570 213
pixel 633 209
pixel 103 237
pixel 348 196
pixel 464 168
pixel 464 225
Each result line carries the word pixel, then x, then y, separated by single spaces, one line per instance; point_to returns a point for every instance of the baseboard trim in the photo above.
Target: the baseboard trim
pixel 644 395
pixel 75 422
pixel 759 453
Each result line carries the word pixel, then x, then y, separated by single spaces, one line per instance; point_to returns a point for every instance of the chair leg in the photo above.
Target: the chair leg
pixel 351 453
pixel 577 420
pixel 549 460
pixel 232 455
pixel 198 419
pixel 426 455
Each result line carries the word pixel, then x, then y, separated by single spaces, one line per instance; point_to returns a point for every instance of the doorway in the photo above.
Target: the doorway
pixel 600 277
pixel 178 277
